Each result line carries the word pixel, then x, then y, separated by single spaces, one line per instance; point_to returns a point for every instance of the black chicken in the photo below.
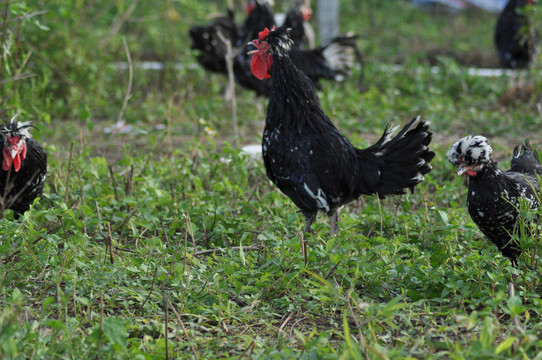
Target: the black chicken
pixel 310 160
pixel 24 167
pixel 297 19
pixel 331 61
pixel 211 47
pixel 515 38
pixel 493 195
pixel 212 50
pixel 259 16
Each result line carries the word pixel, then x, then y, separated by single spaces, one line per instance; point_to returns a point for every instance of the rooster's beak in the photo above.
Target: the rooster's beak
pixel 252 51
pixel 470 170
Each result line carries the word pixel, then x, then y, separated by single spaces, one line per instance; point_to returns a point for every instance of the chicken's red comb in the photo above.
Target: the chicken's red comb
pixel 306 12
pixel 264 33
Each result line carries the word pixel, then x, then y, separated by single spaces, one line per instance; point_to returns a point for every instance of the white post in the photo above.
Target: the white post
pixel 328 19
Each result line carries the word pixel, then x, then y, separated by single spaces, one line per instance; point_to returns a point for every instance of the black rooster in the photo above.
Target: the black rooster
pixel 24 167
pixel 493 195
pixel 310 160
pixel 515 38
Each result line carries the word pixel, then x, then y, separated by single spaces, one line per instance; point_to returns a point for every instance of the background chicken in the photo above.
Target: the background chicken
pixel 515 37
pixel 24 167
pixel 493 195
pixel 212 50
pixel 331 60
pixel 259 15
pixel 297 19
pixel 211 47
pixel 310 160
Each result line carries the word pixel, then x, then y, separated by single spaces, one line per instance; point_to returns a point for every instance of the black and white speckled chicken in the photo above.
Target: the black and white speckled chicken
pixel 493 194
pixel 310 160
pixel 515 37
pixel 24 167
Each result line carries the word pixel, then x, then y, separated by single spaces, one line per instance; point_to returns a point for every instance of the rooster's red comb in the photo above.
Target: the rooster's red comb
pixel 264 33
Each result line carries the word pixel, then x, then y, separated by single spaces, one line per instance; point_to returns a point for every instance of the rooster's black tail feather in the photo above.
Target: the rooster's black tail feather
pixel 404 159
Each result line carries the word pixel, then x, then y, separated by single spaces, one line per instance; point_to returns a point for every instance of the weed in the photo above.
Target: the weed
pixel 161 239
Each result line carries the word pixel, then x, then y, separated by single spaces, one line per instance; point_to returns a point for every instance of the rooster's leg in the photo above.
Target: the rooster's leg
pixel 309 219
pixel 333 223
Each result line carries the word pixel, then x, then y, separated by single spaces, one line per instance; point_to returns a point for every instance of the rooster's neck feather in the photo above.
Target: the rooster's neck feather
pixel 293 98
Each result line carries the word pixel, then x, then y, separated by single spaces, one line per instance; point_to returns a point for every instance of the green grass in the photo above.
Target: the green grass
pixel 170 242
